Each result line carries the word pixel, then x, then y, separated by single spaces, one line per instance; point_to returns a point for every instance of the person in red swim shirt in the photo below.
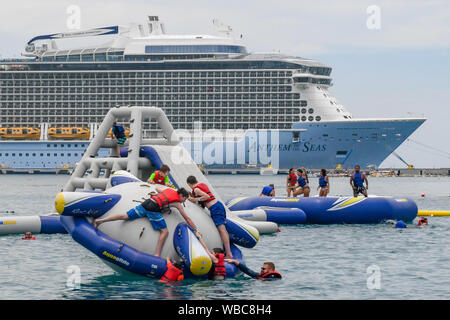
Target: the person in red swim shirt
pixel 28 236
pixel 174 272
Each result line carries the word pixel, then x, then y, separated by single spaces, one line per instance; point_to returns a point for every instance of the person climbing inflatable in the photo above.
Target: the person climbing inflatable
pixel 203 196
pixel 174 272
pixel 160 176
pixel 153 209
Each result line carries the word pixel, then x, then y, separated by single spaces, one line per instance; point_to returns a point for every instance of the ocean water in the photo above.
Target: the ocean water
pixel 316 261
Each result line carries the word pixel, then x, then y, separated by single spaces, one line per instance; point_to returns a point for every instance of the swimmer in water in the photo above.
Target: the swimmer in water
pixel 400 225
pixel 28 236
pixel 422 222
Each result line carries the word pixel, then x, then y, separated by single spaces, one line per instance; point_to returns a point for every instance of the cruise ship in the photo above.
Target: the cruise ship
pixel 231 107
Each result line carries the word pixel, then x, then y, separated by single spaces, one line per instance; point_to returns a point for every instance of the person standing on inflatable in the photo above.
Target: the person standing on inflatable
pixel 291 182
pixel 268 191
pixel 357 182
pixel 303 183
pixel 202 196
pixel 160 176
pixel 153 209
pixel 324 183
pixel 119 133
pixel 268 271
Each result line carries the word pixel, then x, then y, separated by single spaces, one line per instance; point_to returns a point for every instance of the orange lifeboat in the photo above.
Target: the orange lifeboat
pixel 21 133
pixel 69 133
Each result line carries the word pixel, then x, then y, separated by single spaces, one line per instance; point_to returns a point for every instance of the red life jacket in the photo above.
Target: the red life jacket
pixel 163 199
pixel 159 179
pixel 172 274
pixel 292 179
pixel 270 275
pixel 32 238
pixel 205 189
pixel 219 269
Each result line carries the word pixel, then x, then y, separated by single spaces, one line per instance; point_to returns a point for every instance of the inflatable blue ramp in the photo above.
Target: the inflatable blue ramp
pixel 329 210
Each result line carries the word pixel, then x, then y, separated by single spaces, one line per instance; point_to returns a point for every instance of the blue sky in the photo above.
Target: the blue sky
pixel 401 69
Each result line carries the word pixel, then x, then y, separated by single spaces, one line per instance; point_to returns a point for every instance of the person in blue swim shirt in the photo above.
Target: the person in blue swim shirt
pixel 357 180
pixel 203 196
pixel 400 225
pixel 303 183
pixel 268 191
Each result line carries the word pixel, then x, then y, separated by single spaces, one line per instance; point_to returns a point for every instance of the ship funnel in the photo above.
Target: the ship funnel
pixel 154 26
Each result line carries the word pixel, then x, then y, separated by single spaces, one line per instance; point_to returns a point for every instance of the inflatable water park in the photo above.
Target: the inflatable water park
pixel 102 187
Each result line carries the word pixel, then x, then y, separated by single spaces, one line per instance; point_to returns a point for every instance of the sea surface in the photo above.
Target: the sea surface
pixel 316 261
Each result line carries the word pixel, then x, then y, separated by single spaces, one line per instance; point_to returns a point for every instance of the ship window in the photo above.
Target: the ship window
pixel 304 118
pixel 41 154
pixel 318 118
pixel 20 154
pixel 310 110
pixel 48 154
pixel 55 154
pixel 341 153
pixel 310 118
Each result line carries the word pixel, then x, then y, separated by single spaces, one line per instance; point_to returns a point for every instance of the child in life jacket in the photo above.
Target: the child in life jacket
pixel 217 255
pixel 174 272
pixel 160 176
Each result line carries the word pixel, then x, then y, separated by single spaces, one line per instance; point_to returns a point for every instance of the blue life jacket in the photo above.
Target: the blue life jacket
pixel 322 181
pixel 267 190
pixel 301 181
pixel 358 180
